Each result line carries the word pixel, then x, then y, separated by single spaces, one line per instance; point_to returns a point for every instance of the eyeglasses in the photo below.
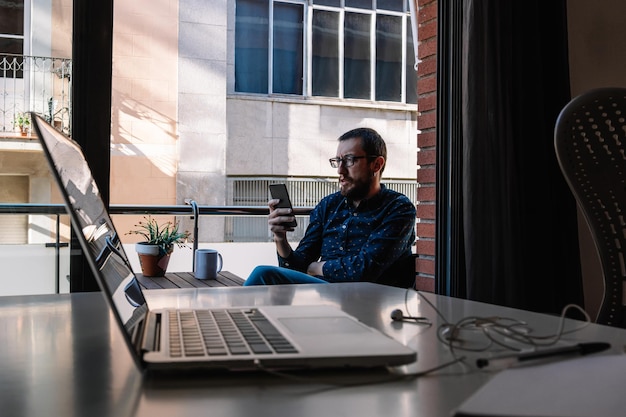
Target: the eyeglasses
pixel 347 160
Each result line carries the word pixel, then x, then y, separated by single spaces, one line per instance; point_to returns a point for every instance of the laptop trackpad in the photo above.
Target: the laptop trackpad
pixel 322 325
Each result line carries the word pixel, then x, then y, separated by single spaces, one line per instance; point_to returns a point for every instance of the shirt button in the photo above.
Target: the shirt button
pixel 340 247
pixel 343 226
pixel 354 214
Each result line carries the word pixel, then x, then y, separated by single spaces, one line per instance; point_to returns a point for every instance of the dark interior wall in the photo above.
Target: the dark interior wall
pixel 92 43
pixel 597 56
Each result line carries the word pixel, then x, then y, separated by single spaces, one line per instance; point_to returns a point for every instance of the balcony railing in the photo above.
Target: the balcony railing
pixel 35 83
pixel 33 269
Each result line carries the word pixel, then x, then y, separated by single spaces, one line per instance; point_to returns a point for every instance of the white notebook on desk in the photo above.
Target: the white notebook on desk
pixel 590 386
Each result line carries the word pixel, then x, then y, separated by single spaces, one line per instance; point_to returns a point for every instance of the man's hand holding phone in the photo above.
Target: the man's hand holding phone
pixel 281 218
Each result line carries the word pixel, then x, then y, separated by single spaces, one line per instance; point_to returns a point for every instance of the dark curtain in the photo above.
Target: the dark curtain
pixel 515 219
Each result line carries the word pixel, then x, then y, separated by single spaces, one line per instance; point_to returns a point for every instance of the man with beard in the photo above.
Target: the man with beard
pixel 364 232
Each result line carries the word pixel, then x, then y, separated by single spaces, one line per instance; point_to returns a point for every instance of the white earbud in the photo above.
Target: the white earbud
pixel 398 315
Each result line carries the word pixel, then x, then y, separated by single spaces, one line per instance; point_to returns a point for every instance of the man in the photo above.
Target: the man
pixel 360 233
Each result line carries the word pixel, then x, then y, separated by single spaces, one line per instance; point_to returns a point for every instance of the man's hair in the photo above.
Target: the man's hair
pixel 371 142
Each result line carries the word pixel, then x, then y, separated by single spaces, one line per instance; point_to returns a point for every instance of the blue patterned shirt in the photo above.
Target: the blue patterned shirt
pixel 357 243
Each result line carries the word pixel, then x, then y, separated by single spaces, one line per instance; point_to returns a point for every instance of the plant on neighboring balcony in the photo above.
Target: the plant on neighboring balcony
pixel 165 236
pixel 22 120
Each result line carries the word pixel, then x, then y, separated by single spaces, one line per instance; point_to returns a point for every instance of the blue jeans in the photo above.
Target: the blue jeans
pixel 272 275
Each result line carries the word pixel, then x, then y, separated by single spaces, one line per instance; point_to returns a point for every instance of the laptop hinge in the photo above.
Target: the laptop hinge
pixel 151 334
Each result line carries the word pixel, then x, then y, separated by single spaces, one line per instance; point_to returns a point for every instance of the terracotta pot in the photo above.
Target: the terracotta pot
pixel 152 265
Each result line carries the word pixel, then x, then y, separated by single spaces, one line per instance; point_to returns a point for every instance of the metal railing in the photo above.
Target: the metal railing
pixel 191 208
pixel 35 83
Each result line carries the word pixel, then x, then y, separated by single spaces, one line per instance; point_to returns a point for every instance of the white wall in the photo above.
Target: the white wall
pixel 239 258
pixel 202 128
pixel 30 269
pixel 296 137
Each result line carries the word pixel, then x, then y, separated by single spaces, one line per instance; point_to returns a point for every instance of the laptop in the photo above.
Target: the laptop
pixel 237 338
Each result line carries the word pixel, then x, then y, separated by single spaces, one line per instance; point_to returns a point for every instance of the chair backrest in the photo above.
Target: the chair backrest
pixel 590 144
pixel 400 274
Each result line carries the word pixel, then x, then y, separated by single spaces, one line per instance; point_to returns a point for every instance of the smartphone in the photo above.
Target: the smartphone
pixel 280 192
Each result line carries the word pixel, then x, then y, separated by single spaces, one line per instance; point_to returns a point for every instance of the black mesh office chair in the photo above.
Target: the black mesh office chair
pixel 400 274
pixel 590 144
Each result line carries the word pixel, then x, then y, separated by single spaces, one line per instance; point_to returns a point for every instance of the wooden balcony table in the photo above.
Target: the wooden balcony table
pixel 188 280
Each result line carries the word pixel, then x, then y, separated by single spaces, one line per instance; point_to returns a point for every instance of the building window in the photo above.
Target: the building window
pixel 287 59
pixel 11 38
pixel 352 49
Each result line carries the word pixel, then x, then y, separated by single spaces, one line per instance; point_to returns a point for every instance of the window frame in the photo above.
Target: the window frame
pixel 25 36
pixel 309 8
pixel 270 48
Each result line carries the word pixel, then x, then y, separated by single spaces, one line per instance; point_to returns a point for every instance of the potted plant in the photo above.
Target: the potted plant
pixel 22 120
pixel 154 253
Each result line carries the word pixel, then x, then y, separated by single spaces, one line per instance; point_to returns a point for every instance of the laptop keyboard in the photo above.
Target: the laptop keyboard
pixel 224 332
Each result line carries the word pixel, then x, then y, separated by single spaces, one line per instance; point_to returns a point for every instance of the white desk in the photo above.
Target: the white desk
pixel 60 355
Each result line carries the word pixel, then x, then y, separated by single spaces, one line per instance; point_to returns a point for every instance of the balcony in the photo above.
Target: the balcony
pixel 33 247
pixel 41 265
pixel 35 240
pixel 34 83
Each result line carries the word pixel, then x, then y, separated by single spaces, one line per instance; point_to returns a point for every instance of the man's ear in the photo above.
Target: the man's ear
pixel 379 162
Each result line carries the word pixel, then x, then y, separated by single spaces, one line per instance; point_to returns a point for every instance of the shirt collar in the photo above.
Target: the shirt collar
pixel 368 202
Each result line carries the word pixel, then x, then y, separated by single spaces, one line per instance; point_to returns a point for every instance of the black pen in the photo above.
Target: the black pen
pixel 507 360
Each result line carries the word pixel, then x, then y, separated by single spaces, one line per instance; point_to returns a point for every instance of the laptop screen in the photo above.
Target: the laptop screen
pixel 93 225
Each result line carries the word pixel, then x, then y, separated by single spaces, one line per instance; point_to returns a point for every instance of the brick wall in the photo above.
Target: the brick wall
pixel 426 105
